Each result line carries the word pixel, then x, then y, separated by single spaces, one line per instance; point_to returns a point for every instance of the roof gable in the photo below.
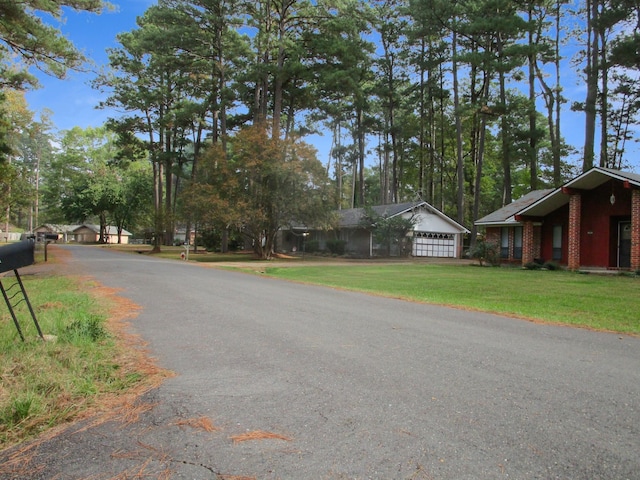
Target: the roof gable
pixel 597 176
pixel 540 203
pixel 352 217
pixel 588 180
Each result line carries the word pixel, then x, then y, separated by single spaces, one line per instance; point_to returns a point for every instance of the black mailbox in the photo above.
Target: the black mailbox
pixel 16 255
pixel 51 237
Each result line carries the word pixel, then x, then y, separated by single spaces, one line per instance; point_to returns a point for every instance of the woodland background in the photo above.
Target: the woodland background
pixel 458 103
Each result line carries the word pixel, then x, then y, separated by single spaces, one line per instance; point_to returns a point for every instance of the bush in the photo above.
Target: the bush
pixel 210 239
pixel 484 251
pixel 551 265
pixel 532 266
pixel 312 246
pixel 336 247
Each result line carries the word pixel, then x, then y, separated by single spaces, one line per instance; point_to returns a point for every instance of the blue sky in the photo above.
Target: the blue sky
pixel 73 101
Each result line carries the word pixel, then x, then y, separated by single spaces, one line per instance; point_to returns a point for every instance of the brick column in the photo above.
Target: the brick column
pixel 635 230
pixel 575 207
pixel 537 241
pixel 527 242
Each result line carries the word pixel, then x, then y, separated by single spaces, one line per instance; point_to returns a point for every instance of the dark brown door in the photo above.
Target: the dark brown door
pixel 624 244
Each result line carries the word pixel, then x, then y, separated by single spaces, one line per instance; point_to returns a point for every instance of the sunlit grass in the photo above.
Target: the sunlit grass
pixel 45 383
pixel 610 302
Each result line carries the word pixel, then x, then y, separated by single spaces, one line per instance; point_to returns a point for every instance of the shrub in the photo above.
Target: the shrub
pixel 336 247
pixel 312 246
pixel 551 265
pixel 484 251
pixel 532 266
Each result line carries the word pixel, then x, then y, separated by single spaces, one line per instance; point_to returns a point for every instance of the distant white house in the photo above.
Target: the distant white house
pixel 88 233
pixel 85 233
pixel 434 234
pixel 64 232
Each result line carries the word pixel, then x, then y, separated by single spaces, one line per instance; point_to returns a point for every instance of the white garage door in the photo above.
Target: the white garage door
pixel 429 244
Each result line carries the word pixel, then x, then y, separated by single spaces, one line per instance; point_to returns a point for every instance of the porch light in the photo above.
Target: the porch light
pixel 612 199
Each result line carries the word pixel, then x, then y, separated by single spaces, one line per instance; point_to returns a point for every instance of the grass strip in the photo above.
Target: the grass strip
pixel 85 364
pixel 602 302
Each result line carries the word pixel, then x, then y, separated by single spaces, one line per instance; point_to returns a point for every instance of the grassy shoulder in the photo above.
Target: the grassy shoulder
pixel 86 366
pixel 610 302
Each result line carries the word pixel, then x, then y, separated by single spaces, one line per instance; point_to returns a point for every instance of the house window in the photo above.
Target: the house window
pixel 557 242
pixel 504 242
pixel 517 242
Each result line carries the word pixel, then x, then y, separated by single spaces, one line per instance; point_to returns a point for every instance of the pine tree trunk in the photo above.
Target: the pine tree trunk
pixel 459 153
pixel 533 135
pixel 592 85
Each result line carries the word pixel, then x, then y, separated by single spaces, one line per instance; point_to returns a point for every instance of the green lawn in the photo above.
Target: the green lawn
pixel 47 383
pixel 603 302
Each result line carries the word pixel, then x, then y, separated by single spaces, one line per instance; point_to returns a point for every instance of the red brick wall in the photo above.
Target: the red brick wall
pixel 635 230
pixel 575 207
pixel 493 235
pixel 537 241
pixel 528 242
pixel 599 225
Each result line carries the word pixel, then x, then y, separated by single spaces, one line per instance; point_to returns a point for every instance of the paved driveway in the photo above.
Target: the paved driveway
pixel 352 386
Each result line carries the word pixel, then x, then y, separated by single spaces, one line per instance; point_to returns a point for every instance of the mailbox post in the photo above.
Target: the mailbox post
pixel 48 237
pixel 13 257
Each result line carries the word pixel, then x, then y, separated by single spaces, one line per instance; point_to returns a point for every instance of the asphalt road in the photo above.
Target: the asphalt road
pixel 362 387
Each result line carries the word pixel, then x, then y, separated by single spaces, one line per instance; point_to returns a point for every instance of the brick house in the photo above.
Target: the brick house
pixel 591 221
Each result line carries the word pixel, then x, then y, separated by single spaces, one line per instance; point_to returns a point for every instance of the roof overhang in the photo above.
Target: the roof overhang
pixel 545 205
pixel 509 222
pixel 588 180
pixel 597 176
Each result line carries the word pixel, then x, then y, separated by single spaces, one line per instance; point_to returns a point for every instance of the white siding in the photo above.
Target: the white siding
pixel 429 222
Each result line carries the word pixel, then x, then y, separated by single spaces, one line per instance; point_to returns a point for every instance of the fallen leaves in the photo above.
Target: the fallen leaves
pixel 201 423
pixel 258 435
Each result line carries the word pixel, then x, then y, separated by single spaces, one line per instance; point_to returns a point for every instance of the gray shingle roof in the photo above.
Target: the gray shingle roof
pixel 58 228
pixel 505 214
pixel 351 217
pixel 111 230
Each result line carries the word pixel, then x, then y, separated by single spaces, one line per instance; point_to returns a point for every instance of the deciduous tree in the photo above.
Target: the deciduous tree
pixel 263 184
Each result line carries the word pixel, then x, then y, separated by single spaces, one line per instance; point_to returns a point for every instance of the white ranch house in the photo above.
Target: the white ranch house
pixel 434 234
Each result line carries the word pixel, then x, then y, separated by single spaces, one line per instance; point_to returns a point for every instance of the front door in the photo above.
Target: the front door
pixel 624 244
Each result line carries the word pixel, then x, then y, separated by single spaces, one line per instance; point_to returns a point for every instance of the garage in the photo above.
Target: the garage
pixel 433 234
pixel 431 244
